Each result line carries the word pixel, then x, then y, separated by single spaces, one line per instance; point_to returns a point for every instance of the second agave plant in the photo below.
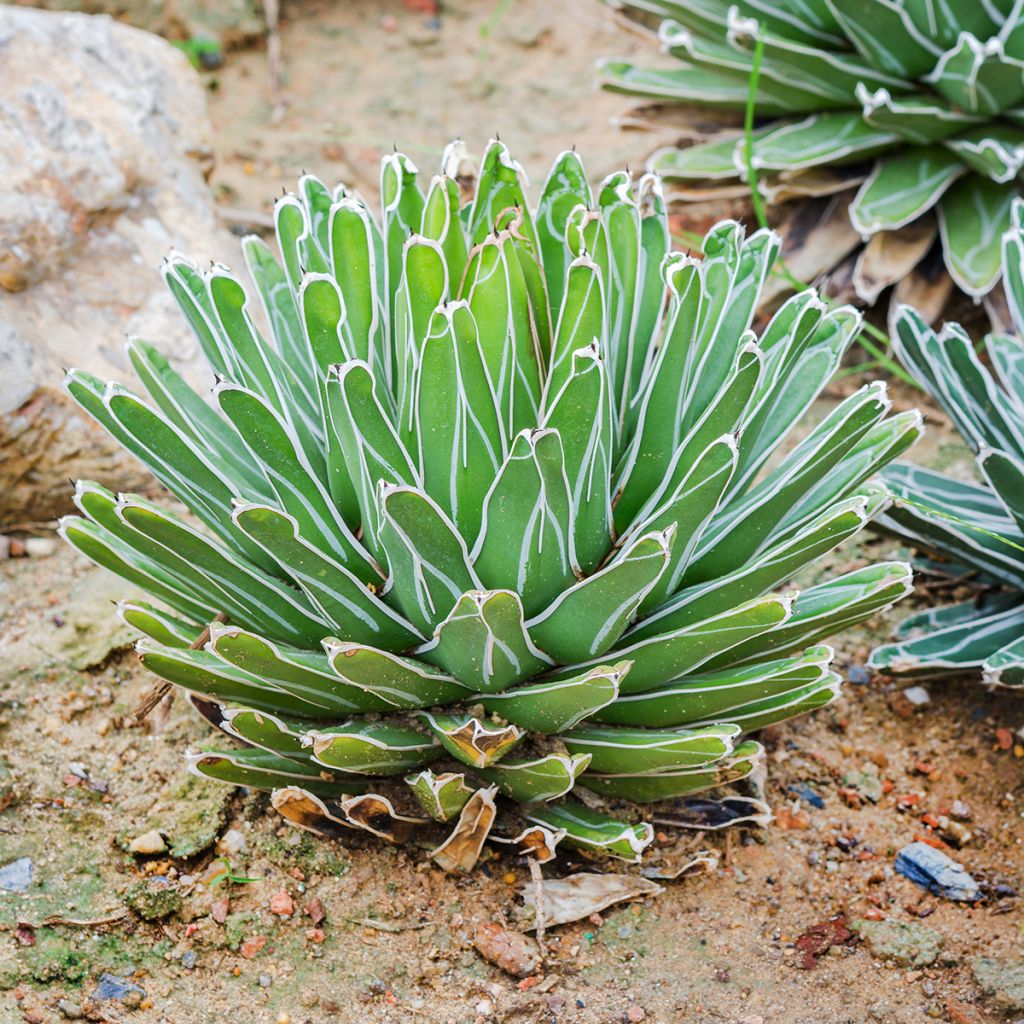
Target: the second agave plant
pixel 921 104
pixel 485 518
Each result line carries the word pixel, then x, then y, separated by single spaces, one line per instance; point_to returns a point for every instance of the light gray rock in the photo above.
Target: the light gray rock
pixel 104 154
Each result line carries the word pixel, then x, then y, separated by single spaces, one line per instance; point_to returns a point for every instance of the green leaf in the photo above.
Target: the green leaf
pixel 886 37
pixel 259 769
pixel 349 607
pixel 305 675
pixel 461 443
pixel 566 188
pixel 526 541
pixel 298 484
pixel 484 644
pixel 902 187
pixel 399 682
pixel 977 76
pixel 550 708
pixel 157 624
pixel 372 748
pixel 713 696
pixel 640 751
pixel 973 215
pixel 441 796
pixel 429 565
pixel 668 785
pixel 500 303
pixel 833 138
pixel 593 832
pixel 580 412
pixel 659 658
pixel 959 648
pixel 544 778
pixel 586 620
pixel 470 740
pixel 371 449
pixel 918 119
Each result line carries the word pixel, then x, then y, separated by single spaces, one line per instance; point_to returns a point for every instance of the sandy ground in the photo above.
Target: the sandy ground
pixel 79 781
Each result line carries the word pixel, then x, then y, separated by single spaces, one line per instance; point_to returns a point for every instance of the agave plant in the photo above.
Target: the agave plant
pixel 923 103
pixel 976 530
pixel 488 516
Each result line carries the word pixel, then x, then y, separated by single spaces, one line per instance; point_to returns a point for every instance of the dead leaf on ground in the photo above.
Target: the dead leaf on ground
pixel 578 896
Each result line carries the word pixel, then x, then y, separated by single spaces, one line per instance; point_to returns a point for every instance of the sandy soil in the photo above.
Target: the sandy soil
pixel 79 781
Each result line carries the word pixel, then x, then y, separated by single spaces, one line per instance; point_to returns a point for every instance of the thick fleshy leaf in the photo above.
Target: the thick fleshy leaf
pixel 545 778
pixel 484 643
pixel 399 682
pixel 470 740
pixel 428 563
pixel 902 187
pixel 369 444
pixel 958 648
pixel 821 138
pixel 580 412
pixel 303 674
pixel 973 215
pixel 158 624
pixel 552 707
pixel 526 540
pixel 350 608
pixel 500 302
pixel 659 658
pixel 371 748
pixel 441 796
pixel 259 769
pixel 886 36
pixel 566 188
pixel 918 119
pixel 586 620
pixel 593 832
pixel 977 76
pixel 667 785
pixel 461 442
pixel 712 696
pixel 637 751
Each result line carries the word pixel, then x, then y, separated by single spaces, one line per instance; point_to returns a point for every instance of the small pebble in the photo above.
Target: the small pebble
pixel 266 981
pixel 918 696
pixel 635 1014
pixel 188 959
pixel 148 843
pixel 70 1010
pixel 40 547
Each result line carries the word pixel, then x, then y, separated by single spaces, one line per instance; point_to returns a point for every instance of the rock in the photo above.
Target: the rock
pixel 104 152
pixel 918 697
pixel 16 876
pixel 515 953
pixel 147 843
pixel 40 547
pixel 1002 981
pixel 232 843
pixel 282 904
pixel 153 898
pixel 70 1010
pixel 112 987
pixel 934 871
pixel 902 942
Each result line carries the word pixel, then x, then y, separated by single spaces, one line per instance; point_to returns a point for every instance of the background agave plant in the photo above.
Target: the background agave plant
pixel 976 529
pixel 489 512
pixel 924 105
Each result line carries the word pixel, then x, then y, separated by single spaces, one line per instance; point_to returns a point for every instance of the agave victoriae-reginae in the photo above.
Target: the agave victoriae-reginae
pixel 977 529
pixel 921 103
pixel 487 514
